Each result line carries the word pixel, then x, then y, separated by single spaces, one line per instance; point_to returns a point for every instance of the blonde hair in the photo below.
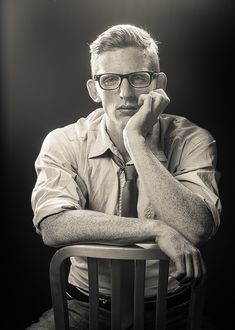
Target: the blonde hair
pixel 122 36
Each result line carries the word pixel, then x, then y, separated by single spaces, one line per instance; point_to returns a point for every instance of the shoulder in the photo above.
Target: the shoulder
pixel 186 144
pixel 178 127
pixel 77 131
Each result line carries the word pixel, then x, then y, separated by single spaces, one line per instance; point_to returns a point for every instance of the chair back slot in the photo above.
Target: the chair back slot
pixel 139 294
pixel 116 297
pixel 93 293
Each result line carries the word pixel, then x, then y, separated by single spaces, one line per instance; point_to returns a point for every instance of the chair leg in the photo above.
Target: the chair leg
pixel 196 306
pixel 58 293
pixel 161 305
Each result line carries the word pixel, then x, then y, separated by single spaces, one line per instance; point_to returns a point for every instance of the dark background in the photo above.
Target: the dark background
pixel 44 68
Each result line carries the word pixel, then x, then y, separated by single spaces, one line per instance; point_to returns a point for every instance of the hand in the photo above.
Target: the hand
pixel 186 257
pixel 151 106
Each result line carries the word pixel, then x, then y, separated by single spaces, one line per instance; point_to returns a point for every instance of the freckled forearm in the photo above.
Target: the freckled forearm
pixel 83 226
pixel 174 204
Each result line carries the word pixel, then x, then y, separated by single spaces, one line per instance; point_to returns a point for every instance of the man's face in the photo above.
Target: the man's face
pixel 122 103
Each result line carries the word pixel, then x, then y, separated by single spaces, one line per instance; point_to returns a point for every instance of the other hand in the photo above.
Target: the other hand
pixel 186 257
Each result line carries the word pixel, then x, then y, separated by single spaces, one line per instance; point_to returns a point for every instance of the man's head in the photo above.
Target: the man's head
pixel 124 64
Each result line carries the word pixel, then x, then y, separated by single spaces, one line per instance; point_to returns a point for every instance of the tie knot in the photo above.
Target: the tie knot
pixel 130 172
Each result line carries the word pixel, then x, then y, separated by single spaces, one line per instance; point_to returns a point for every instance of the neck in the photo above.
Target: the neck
pixel 116 135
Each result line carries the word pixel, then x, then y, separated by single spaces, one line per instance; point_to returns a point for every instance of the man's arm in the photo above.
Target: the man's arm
pixel 84 226
pixel 175 204
pixel 87 226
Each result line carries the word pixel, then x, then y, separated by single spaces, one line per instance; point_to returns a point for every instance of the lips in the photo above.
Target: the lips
pixel 128 107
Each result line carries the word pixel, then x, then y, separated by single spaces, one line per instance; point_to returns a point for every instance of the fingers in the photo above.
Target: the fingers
pixel 145 98
pixel 158 96
pixel 190 267
pixel 200 269
pixel 161 92
pixel 180 272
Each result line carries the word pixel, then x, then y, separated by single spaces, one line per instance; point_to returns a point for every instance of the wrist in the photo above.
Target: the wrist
pixel 161 229
pixel 132 139
pixel 156 228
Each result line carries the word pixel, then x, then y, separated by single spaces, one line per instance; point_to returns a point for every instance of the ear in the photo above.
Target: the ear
pixel 161 80
pixel 92 90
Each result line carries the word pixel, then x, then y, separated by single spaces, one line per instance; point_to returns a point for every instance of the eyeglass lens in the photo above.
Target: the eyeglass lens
pixel 136 79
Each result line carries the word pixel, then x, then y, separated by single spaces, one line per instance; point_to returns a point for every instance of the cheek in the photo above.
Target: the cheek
pixel 142 91
pixel 109 98
pixel 146 90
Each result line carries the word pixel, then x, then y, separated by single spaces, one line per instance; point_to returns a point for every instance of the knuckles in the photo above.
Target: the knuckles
pixel 157 96
pixel 160 95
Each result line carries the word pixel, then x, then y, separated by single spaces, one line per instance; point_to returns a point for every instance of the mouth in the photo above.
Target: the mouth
pixel 129 107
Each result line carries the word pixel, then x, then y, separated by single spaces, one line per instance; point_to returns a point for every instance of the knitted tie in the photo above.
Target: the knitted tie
pixel 128 209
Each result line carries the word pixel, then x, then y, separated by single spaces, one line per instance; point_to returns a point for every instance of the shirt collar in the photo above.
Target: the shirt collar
pixel 103 142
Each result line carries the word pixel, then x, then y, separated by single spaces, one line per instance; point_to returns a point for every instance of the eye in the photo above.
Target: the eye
pixel 109 80
pixel 140 78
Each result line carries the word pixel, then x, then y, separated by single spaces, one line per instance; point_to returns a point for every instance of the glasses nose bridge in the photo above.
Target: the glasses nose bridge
pixel 127 77
pixel 125 90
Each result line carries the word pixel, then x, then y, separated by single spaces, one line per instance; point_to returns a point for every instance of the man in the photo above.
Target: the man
pixel 77 196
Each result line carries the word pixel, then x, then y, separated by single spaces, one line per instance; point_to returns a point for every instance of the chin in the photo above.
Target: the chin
pixel 124 122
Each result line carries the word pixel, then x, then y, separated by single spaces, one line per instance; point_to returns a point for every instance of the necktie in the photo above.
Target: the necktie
pixel 129 193
pixel 128 209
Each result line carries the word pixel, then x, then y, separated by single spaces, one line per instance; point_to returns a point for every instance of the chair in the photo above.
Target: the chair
pixel 117 255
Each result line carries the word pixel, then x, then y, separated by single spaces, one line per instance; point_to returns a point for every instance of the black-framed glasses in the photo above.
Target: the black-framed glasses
pixel 110 81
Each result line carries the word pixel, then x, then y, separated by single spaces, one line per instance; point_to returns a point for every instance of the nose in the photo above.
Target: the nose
pixel 125 89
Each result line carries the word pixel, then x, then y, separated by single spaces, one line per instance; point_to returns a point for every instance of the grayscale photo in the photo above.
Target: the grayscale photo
pixel 117 147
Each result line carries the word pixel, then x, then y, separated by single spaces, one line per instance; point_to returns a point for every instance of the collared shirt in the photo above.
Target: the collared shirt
pixel 75 171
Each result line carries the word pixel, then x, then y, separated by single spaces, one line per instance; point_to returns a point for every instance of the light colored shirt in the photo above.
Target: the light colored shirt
pixel 75 171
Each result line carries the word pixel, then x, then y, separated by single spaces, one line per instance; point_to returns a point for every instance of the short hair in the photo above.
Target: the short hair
pixel 122 36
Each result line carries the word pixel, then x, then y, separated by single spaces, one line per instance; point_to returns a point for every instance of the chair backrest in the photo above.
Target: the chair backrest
pixel 117 255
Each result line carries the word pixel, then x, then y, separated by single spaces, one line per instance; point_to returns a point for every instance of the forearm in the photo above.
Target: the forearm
pixel 83 226
pixel 174 204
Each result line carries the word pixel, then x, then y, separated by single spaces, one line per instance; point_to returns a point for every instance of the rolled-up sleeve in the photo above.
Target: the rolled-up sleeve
pixel 197 171
pixel 58 186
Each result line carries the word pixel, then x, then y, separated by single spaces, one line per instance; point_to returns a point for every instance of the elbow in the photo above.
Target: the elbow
pixel 49 239
pixel 204 230
pixel 50 232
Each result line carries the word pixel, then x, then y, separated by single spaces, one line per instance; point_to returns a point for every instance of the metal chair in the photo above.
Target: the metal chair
pixel 117 255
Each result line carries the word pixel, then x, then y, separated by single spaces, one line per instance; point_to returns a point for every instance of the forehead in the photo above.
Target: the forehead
pixel 124 60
